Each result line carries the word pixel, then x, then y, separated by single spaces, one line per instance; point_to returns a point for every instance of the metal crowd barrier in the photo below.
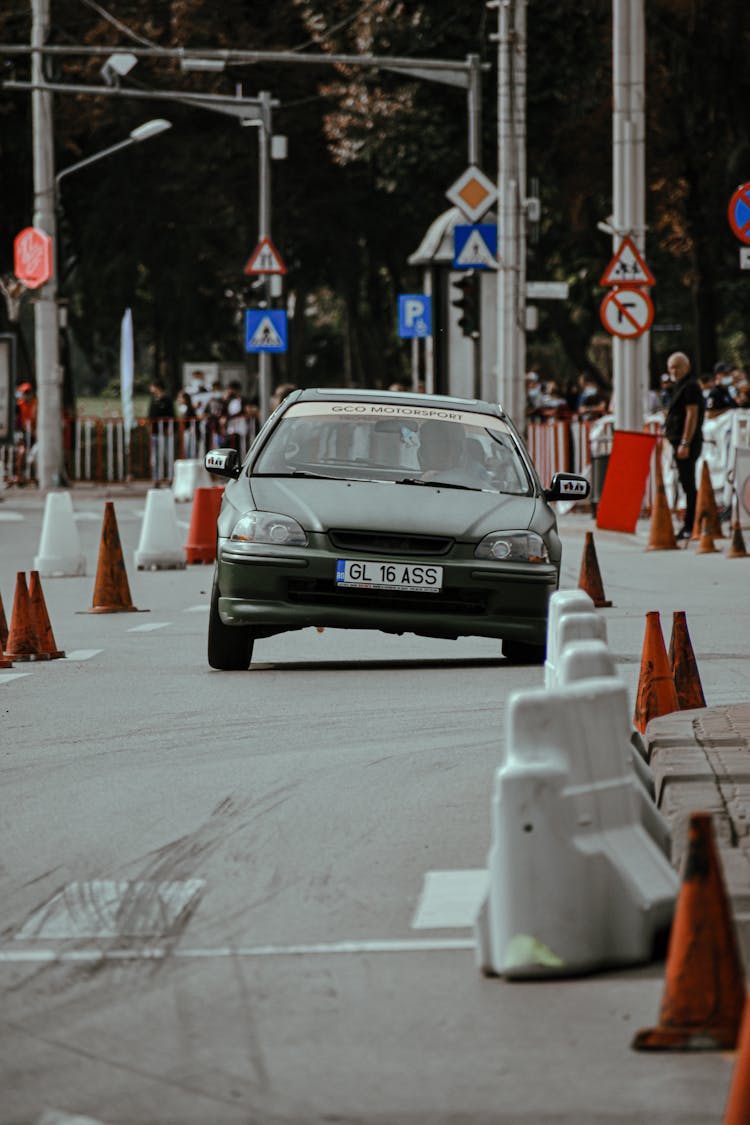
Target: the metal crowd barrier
pixel 96 449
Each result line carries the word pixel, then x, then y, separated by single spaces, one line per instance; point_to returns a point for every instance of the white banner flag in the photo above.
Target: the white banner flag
pixel 126 373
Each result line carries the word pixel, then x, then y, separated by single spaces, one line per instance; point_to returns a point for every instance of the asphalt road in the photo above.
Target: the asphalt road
pixel 231 897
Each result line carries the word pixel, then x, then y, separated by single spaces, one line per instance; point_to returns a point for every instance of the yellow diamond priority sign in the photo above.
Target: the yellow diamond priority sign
pixel 473 193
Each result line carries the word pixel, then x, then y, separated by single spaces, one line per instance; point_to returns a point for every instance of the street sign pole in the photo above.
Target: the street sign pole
pixel 264 231
pixel 511 163
pixel 629 356
pixel 50 466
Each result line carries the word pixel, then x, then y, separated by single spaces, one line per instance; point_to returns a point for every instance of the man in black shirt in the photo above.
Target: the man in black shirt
pixel 683 427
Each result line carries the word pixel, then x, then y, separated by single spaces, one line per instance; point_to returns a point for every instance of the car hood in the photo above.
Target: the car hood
pixel 421 509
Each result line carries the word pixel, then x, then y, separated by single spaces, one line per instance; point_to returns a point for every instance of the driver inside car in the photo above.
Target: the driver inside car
pixel 445 453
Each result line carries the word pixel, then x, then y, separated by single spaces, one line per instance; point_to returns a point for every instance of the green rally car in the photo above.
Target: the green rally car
pixel 407 513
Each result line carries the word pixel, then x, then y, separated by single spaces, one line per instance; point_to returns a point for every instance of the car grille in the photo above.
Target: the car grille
pixel 390 543
pixel 319 592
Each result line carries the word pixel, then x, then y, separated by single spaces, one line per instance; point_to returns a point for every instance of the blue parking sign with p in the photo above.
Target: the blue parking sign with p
pixel 414 315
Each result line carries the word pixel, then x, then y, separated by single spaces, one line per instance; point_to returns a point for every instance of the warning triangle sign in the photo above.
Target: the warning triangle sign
pixel 265 335
pixel 627 267
pixel 265 258
pixel 475 252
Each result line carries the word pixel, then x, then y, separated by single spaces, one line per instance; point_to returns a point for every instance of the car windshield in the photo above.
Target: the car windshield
pixel 403 444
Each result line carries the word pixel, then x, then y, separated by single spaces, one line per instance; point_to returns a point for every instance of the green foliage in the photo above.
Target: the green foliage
pixel 166 227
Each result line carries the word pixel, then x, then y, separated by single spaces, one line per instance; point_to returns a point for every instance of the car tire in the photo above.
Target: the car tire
pixel 230 647
pixel 522 652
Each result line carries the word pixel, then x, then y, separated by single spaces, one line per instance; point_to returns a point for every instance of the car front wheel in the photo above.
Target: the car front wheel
pixel 230 647
pixel 521 652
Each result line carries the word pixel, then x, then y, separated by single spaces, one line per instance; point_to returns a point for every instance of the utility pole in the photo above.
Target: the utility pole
pixel 264 231
pixel 511 207
pixel 50 466
pixel 629 357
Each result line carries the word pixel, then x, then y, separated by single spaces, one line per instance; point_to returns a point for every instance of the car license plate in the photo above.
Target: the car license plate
pixel 371 575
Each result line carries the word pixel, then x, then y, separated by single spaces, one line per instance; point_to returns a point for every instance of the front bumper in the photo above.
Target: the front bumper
pixel 277 588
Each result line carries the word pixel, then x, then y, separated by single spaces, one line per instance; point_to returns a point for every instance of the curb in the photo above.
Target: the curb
pixel 701 761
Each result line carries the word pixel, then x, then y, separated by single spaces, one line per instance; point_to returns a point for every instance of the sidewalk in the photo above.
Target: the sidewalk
pixel 701 762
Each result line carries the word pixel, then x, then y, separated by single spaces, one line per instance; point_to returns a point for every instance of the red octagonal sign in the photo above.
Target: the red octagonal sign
pixel 33 257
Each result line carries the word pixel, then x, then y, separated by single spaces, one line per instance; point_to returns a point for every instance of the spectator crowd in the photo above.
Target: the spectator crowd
pixel 589 398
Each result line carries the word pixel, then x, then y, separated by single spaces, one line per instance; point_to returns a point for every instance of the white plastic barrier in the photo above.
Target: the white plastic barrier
pixel 160 546
pixel 560 603
pixel 575 882
pixel 589 659
pixel 60 554
pixel 568 623
pixel 188 475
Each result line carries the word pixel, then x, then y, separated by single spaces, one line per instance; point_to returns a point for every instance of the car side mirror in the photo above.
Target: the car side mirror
pixel 567 486
pixel 223 463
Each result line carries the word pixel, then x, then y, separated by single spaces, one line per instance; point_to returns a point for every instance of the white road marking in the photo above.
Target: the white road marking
pixel 88 516
pixel 158 953
pixel 197 608
pixel 53 1117
pixel 84 653
pixel 107 908
pixel 12 517
pixel 450 899
pixel 150 627
pixel 8 677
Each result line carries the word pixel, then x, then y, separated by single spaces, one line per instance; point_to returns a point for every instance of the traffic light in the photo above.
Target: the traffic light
pixel 468 303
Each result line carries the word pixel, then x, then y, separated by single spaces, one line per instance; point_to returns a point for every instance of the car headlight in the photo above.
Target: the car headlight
pixel 513 546
pixel 268 528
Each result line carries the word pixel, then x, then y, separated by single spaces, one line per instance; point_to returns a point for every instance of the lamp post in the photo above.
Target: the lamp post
pixel 140 133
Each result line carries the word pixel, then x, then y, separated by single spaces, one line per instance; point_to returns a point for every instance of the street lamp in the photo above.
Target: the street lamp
pixel 142 132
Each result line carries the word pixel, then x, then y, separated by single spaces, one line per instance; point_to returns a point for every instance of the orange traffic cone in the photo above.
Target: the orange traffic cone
pixel 704 990
pixel 737 546
pixel 687 681
pixel 5 661
pixel 40 620
pixel 201 544
pixel 706 545
pixel 590 578
pixel 737 549
pixel 656 693
pixel 3 627
pixel 705 507
pixel 737 1110
pixel 111 589
pixel 661 531
pixel 23 643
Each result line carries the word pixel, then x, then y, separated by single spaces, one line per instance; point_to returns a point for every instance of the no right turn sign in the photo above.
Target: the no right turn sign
pixel 627 312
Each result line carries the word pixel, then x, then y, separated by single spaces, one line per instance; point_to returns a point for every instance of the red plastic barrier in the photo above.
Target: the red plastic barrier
pixel 625 482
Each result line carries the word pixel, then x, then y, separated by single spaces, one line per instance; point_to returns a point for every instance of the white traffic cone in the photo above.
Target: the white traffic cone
pixel 188 475
pixel 160 546
pixel 60 554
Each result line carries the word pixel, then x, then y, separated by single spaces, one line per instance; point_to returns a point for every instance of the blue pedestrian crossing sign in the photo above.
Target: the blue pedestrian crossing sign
pixel 414 315
pixel 475 246
pixel 265 330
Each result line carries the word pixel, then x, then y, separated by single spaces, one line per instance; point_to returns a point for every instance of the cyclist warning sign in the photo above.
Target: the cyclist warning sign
pixel 627 267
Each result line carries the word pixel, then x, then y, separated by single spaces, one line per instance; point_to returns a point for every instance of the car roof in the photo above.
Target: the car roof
pixel 412 398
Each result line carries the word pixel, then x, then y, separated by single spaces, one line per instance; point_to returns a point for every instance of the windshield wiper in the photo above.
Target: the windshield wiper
pixel 437 483
pixel 316 476
pixel 297 473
